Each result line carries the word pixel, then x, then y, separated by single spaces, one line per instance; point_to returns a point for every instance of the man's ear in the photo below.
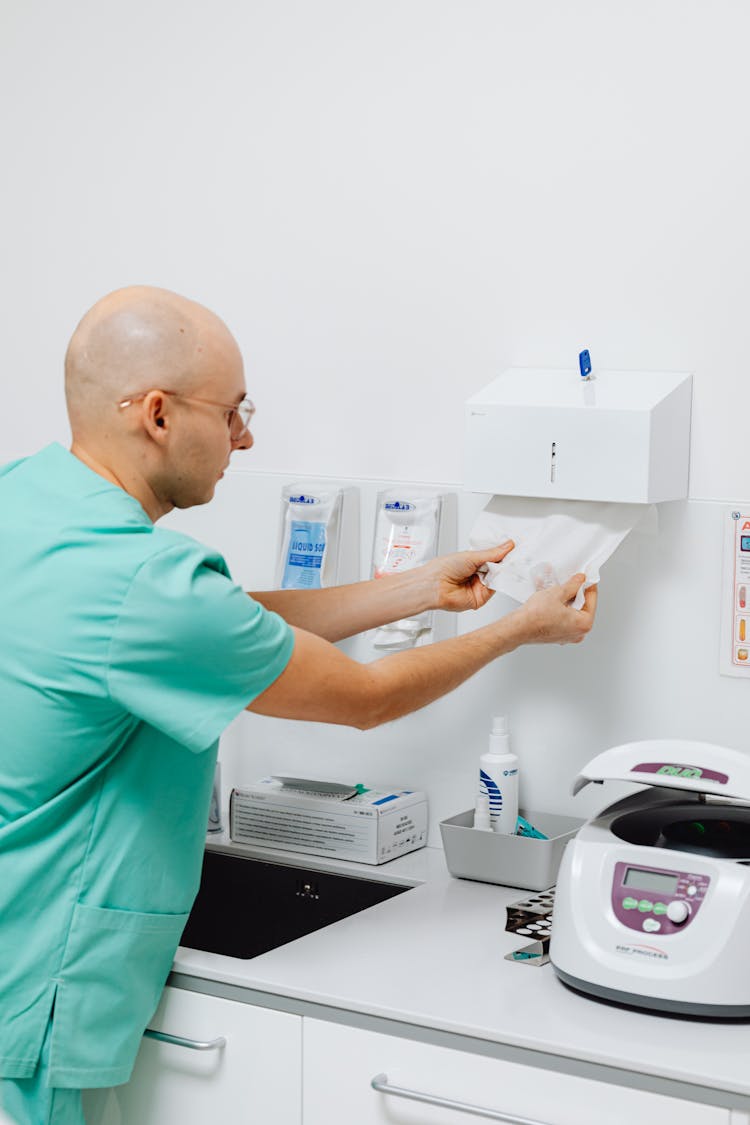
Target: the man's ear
pixel 153 408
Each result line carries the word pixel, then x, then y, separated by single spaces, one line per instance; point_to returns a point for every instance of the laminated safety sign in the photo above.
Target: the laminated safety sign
pixel 735 618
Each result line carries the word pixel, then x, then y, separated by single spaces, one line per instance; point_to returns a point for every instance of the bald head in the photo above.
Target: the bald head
pixel 137 339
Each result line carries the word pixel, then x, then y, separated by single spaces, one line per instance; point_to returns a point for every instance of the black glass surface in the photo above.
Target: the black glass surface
pixel 721 831
pixel 246 906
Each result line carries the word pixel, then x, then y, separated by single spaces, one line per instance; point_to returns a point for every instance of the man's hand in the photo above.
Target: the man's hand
pixel 548 617
pixel 456 577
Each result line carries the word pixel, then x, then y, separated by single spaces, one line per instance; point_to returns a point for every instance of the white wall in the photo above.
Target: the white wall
pixel 388 202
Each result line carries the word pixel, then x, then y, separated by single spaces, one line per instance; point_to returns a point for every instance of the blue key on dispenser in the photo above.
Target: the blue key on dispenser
pixel 584 363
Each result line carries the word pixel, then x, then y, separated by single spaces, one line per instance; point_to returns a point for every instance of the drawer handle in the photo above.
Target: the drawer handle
pixel 191 1044
pixel 381 1084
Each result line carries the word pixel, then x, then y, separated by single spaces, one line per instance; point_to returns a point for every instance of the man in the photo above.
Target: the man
pixel 126 651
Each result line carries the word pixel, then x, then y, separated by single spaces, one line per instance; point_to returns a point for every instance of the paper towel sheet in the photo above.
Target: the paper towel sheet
pixel 555 539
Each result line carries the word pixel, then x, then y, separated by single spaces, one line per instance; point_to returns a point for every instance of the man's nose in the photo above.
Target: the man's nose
pixel 244 441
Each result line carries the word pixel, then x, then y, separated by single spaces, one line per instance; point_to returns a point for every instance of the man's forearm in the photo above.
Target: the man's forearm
pixel 407 681
pixel 322 684
pixel 342 611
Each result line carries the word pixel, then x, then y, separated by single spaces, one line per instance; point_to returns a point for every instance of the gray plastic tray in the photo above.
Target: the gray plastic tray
pixel 511 861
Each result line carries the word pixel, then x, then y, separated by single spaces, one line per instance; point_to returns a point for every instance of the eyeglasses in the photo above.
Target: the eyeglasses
pixel 239 415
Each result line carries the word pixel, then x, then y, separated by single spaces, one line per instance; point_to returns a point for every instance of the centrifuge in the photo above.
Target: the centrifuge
pixel 652 906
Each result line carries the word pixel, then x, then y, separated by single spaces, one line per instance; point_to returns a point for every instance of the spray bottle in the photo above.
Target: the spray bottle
pixel 482 820
pixel 498 778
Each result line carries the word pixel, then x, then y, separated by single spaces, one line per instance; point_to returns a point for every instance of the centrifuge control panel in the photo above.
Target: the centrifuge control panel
pixel 654 901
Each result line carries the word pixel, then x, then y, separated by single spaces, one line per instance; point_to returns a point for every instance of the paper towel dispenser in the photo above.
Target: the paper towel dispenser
pixel 623 435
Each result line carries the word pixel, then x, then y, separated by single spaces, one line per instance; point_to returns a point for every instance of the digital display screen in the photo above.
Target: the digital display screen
pixel 650 881
pixel 745 542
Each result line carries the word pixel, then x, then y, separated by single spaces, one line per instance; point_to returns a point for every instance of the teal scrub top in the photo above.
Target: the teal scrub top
pixel 126 650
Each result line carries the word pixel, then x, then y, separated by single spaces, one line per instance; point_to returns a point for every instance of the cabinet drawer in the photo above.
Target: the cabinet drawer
pixel 254 1076
pixel 340 1063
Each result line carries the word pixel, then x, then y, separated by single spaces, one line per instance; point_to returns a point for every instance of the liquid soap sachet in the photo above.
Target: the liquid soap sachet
pixel 554 539
pixel 406 534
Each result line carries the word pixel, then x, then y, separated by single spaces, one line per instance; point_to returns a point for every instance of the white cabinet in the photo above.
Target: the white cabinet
pixel 254 1078
pixel 340 1063
pixel 261 1075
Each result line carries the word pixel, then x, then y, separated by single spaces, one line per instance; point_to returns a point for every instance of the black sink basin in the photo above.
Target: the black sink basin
pixel 247 906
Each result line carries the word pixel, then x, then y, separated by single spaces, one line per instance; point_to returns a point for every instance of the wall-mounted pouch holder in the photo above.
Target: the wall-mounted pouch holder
pixel 510 861
pixel 319 539
pixel 411 526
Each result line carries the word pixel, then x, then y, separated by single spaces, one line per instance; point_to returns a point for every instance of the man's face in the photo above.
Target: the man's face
pixel 202 441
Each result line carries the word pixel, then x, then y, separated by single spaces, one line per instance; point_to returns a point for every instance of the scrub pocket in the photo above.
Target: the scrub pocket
pixel 114 969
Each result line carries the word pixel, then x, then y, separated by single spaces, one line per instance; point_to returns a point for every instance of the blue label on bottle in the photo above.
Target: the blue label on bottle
pixel 489 786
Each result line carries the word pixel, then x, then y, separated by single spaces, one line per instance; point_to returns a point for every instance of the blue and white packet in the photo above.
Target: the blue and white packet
pixel 308 553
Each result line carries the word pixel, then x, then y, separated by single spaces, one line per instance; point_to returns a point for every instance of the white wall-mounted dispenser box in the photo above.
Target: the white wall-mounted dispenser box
pixel 620 436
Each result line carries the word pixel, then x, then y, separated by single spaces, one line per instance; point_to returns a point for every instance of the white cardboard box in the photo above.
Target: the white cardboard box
pixel 369 827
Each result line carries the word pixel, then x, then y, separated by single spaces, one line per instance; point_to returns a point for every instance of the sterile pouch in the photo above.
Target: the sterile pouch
pixel 407 527
pixel 554 539
pixel 311 525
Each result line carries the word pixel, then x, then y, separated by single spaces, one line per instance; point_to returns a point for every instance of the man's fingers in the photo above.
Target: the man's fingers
pixel 572 586
pixel 492 554
pixel 590 599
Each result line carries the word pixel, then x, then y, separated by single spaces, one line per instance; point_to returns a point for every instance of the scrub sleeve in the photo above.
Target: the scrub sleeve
pixel 190 649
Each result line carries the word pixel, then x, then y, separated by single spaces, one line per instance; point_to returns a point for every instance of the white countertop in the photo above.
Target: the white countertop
pixel 435 957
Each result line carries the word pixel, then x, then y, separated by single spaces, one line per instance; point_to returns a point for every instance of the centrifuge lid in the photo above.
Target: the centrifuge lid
pixel 698 767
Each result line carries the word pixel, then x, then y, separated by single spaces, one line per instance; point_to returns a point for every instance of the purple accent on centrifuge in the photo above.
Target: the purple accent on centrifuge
pixel 643 900
pixel 674 769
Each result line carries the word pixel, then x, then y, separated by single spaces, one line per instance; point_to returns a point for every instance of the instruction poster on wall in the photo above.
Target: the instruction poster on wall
pixel 735 618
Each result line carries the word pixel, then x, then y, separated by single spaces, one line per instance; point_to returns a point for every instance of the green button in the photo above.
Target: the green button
pixel 645 906
pixel 660 908
pixel 629 903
